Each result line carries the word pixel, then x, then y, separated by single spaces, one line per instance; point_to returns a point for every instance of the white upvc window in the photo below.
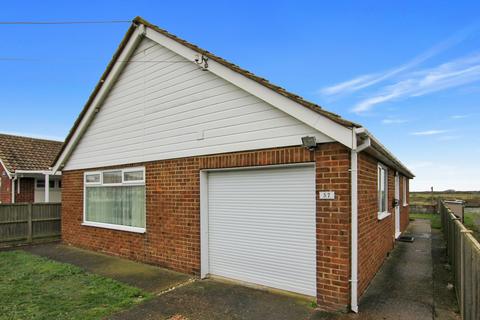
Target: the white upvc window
pixel 115 199
pixel 404 195
pixel 382 191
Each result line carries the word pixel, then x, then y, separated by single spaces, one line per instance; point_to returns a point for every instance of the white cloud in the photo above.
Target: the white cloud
pixel 428 132
pixel 459 116
pixel 447 75
pixel 368 80
pixel 393 121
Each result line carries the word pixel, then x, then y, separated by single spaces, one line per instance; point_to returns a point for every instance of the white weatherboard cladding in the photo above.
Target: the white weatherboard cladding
pixel 261 227
pixel 161 110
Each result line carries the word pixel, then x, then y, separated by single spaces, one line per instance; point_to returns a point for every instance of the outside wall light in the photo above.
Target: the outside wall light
pixel 309 142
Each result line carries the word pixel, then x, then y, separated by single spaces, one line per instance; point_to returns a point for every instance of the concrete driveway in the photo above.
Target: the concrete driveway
pixel 179 295
pixel 213 300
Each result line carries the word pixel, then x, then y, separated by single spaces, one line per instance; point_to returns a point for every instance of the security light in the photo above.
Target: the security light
pixel 309 142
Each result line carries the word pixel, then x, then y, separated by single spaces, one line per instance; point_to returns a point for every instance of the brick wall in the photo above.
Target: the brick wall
pixel 172 239
pixel 27 190
pixel 376 237
pixel 5 191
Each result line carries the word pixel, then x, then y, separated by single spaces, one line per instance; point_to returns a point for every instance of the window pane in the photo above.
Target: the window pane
pixel 384 198
pixel 382 190
pixel 59 184
pixel 40 183
pixel 121 205
pixel 112 177
pixel 133 175
pixel 93 178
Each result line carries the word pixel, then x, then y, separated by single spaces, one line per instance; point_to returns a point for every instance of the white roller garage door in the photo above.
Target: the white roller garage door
pixel 261 227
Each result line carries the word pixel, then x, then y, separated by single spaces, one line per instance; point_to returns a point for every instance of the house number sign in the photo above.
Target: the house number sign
pixel 327 195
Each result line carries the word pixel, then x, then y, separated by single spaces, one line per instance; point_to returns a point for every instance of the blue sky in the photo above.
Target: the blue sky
pixel 409 71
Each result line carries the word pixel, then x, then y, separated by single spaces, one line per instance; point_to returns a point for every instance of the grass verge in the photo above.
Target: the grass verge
pixel 470 222
pixel 33 287
pixel 435 220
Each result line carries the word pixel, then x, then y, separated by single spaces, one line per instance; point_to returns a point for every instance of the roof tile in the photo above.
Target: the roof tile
pixel 25 153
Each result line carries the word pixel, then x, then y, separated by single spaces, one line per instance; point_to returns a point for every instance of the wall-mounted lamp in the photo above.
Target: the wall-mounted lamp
pixel 309 142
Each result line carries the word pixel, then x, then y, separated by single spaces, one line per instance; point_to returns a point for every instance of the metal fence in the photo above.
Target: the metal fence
pixel 27 222
pixel 464 257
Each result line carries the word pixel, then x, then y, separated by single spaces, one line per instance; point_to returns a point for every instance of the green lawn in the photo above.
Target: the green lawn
pixel 435 220
pixel 32 287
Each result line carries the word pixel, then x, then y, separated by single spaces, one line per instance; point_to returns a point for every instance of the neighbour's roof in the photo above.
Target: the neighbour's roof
pixel 26 153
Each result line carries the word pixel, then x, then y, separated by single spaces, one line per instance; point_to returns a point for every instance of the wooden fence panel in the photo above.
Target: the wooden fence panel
pixel 464 256
pixel 28 222
pixel 46 220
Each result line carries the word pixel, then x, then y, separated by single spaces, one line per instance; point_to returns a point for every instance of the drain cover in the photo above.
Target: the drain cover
pixel 406 239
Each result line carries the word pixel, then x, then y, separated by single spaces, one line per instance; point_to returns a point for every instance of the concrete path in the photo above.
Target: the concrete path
pixel 402 289
pixel 143 276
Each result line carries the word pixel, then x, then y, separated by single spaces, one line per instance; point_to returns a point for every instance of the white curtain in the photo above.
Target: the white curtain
pixel 121 205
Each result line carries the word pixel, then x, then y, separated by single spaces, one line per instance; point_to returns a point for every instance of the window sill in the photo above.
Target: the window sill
pixel 113 227
pixel 383 215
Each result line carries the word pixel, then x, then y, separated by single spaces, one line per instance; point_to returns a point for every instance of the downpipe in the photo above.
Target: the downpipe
pixel 354 218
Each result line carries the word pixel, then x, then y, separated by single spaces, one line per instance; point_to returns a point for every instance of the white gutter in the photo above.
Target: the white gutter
pixel 42 172
pixel 354 219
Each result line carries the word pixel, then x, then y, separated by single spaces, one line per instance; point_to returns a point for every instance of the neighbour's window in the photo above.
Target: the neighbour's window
pixel 382 190
pixel 59 184
pixel 116 199
pixel 40 183
pixel 405 182
pixel 51 183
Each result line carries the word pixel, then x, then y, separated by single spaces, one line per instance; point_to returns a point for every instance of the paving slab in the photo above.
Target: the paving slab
pixel 149 278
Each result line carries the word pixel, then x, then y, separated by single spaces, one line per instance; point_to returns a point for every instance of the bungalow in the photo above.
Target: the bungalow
pixel 25 170
pixel 183 159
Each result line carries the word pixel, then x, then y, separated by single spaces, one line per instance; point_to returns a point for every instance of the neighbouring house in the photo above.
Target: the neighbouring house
pixel 184 160
pixel 25 167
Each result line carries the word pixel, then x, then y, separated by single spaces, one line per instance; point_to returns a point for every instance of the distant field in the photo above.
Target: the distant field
pixel 472 198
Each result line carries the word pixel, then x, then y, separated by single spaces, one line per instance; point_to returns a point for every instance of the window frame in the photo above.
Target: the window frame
pixel 404 191
pixel 36 184
pixel 100 184
pixel 382 214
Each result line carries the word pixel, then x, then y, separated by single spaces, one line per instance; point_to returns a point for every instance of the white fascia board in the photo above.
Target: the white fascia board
pixel 321 123
pixel 102 93
pixel 9 175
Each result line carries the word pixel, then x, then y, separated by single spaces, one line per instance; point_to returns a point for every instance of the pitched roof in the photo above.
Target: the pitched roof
pixel 138 20
pixel 25 153
pixel 297 99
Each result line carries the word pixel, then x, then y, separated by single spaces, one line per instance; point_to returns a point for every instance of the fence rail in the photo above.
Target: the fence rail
pixel 27 222
pixel 464 257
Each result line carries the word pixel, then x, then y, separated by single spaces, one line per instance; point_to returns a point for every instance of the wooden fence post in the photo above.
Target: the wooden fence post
pixel 30 224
